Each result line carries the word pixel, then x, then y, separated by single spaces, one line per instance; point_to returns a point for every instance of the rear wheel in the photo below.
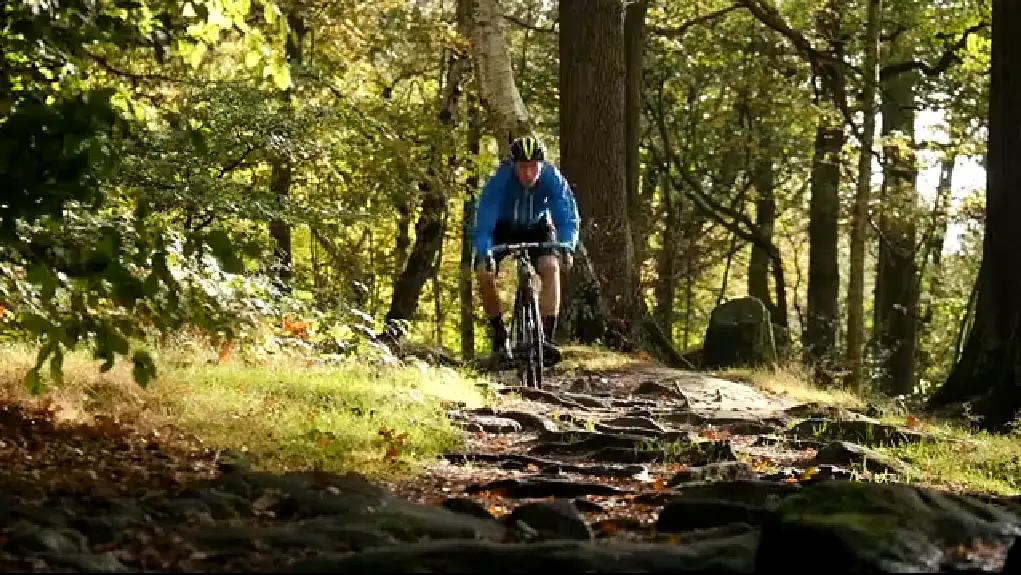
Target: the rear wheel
pixel 529 331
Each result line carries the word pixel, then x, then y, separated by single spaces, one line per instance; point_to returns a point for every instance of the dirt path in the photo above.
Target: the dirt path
pixel 656 455
pixel 646 470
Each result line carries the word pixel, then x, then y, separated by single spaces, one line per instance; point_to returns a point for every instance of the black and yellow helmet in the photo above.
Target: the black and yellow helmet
pixel 527 149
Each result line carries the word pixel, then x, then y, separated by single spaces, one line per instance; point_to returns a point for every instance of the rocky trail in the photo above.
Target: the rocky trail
pixel 643 470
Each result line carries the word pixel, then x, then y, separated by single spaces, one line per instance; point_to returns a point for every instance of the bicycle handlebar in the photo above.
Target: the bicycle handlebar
pixel 527 246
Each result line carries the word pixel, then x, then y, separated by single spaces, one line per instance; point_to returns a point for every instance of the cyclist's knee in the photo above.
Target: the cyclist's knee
pixel 487 278
pixel 549 265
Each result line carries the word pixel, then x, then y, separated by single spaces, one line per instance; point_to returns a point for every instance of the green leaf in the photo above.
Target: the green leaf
pixel 34 382
pixel 198 51
pixel 270 12
pixel 281 76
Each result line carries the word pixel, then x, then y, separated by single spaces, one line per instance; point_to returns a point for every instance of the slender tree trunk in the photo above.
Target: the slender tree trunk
pixel 500 97
pixel 467 253
pixel 403 241
pixel 765 222
pixel 823 310
pixel 666 268
pixel 896 298
pixel 280 180
pixel 634 47
pixel 859 220
pixel 936 236
pixel 429 228
pixel 989 369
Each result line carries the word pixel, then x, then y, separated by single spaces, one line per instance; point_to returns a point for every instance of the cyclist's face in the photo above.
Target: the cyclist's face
pixel 528 172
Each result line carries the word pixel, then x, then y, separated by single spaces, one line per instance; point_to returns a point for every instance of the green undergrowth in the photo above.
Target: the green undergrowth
pixel 280 414
pixel 966 460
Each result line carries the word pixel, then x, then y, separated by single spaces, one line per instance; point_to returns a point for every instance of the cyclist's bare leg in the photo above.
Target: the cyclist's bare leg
pixel 487 289
pixel 549 295
pixel 549 302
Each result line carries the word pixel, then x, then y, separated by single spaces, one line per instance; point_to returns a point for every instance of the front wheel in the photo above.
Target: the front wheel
pixel 530 336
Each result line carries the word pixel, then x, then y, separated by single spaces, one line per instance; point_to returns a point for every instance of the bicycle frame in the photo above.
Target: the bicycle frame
pixel 526 312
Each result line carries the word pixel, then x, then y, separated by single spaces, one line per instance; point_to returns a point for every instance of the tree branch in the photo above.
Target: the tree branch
pixel 696 21
pixel 948 58
pixel 715 211
pixel 236 163
pixel 134 77
pixel 519 22
pixel 772 18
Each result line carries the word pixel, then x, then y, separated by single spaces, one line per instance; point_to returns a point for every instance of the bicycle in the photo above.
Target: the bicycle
pixel 526 333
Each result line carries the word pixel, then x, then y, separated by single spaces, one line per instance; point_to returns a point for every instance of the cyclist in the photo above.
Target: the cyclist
pixel 526 200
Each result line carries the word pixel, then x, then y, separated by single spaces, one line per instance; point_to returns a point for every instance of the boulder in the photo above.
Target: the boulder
pixel 740 334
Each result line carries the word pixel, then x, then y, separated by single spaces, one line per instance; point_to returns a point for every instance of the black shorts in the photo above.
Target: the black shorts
pixel 504 233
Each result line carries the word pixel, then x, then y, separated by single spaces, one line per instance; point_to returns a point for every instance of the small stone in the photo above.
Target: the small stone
pixel 720 471
pixel 557 520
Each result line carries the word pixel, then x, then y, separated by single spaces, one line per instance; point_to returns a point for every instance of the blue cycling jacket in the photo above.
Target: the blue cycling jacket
pixel 505 199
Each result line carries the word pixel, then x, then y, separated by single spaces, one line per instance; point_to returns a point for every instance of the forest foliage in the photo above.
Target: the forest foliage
pixel 222 166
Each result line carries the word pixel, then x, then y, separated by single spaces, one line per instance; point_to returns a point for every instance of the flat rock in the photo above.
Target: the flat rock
pixel 734 554
pixel 665 389
pixel 489 424
pixel 719 471
pixel 847 453
pixel 634 431
pixel 814 410
pixel 543 487
pixel 632 421
pixel 530 421
pixel 696 513
pixel 557 520
pixel 756 492
pixel 862 431
pixel 545 465
pixel 882 527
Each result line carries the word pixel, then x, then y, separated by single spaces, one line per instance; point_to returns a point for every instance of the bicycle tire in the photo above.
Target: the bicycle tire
pixel 530 328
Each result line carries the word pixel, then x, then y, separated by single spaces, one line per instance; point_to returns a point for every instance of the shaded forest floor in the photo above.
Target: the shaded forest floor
pixel 620 465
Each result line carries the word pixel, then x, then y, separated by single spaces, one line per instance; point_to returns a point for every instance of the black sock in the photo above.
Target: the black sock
pixel 549 327
pixel 499 330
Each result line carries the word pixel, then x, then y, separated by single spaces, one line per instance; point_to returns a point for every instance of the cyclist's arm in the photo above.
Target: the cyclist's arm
pixel 564 210
pixel 487 210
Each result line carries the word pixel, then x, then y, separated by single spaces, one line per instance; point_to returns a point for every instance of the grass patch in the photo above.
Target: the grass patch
pixel 283 415
pixel 584 358
pixel 793 382
pixel 969 461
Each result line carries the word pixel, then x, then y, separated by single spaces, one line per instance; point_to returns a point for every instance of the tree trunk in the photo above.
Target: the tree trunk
pixel 507 114
pixel 823 310
pixel 765 222
pixel 859 220
pixel 403 241
pixel 990 368
pixel 896 298
pixel 280 180
pixel 634 47
pixel 429 229
pixel 666 266
pixel 592 110
pixel 467 252
pixel 936 237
